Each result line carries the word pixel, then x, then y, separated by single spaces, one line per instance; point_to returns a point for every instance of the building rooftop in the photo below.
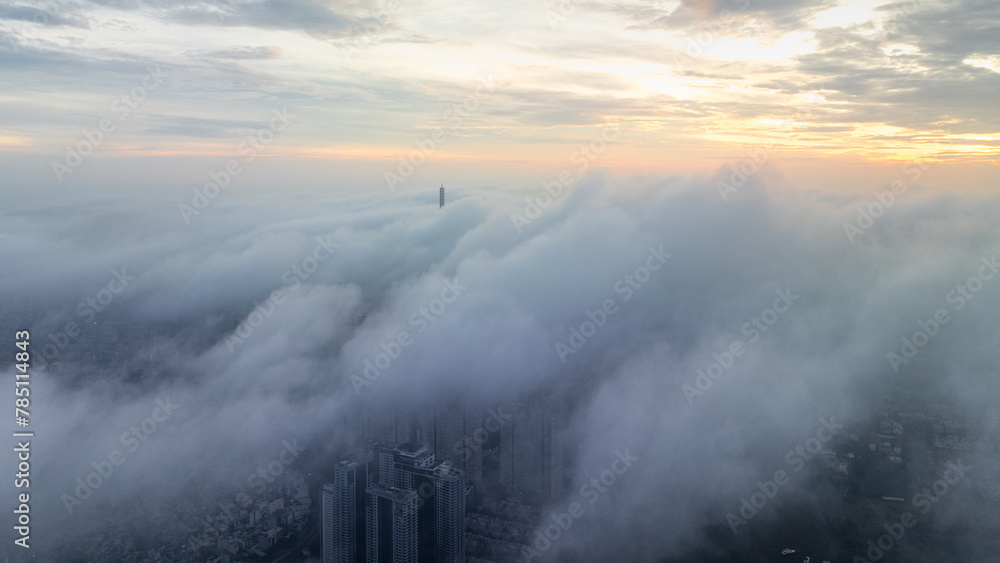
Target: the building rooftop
pixel 392 493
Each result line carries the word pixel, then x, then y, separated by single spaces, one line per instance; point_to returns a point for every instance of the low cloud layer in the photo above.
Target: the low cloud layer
pixel 486 308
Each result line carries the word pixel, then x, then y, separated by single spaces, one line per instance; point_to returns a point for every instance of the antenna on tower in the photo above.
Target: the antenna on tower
pixel 442 197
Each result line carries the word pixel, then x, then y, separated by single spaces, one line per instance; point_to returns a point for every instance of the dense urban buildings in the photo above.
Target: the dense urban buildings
pixel 414 508
pixel 417 472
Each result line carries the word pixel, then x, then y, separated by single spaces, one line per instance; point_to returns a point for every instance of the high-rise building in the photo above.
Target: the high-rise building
pixel 441 493
pixel 473 443
pixel 449 431
pixel 515 448
pixel 385 464
pixel 449 513
pixel 531 450
pixel 442 197
pixel 344 510
pixel 554 455
pixel 425 428
pixel 384 426
pixel 359 424
pixel 329 514
pixel 392 525
pixel 408 460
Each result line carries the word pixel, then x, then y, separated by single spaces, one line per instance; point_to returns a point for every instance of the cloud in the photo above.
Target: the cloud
pixel 317 18
pixel 519 295
pixel 201 127
pixel 39 16
pixel 244 53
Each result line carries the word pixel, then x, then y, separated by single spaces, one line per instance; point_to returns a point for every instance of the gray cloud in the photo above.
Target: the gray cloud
pixel 243 53
pixel 523 292
pixel 61 16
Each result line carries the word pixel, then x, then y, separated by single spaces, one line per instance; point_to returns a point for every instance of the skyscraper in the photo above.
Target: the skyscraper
pixel 449 513
pixel 344 510
pixel 425 428
pixel 442 197
pixel 392 525
pixel 449 431
pixel 554 454
pixel 473 444
pixel 515 448
pixel 440 489
pixel 531 450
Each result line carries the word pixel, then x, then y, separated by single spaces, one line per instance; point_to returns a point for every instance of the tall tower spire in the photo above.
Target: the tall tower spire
pixel 442 197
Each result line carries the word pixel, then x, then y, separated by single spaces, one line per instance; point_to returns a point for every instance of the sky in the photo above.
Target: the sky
pixel 822 86
pixel 181 158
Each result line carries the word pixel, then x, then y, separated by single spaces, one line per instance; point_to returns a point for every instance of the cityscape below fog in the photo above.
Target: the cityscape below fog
pixel 475 483
pixel 540 281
